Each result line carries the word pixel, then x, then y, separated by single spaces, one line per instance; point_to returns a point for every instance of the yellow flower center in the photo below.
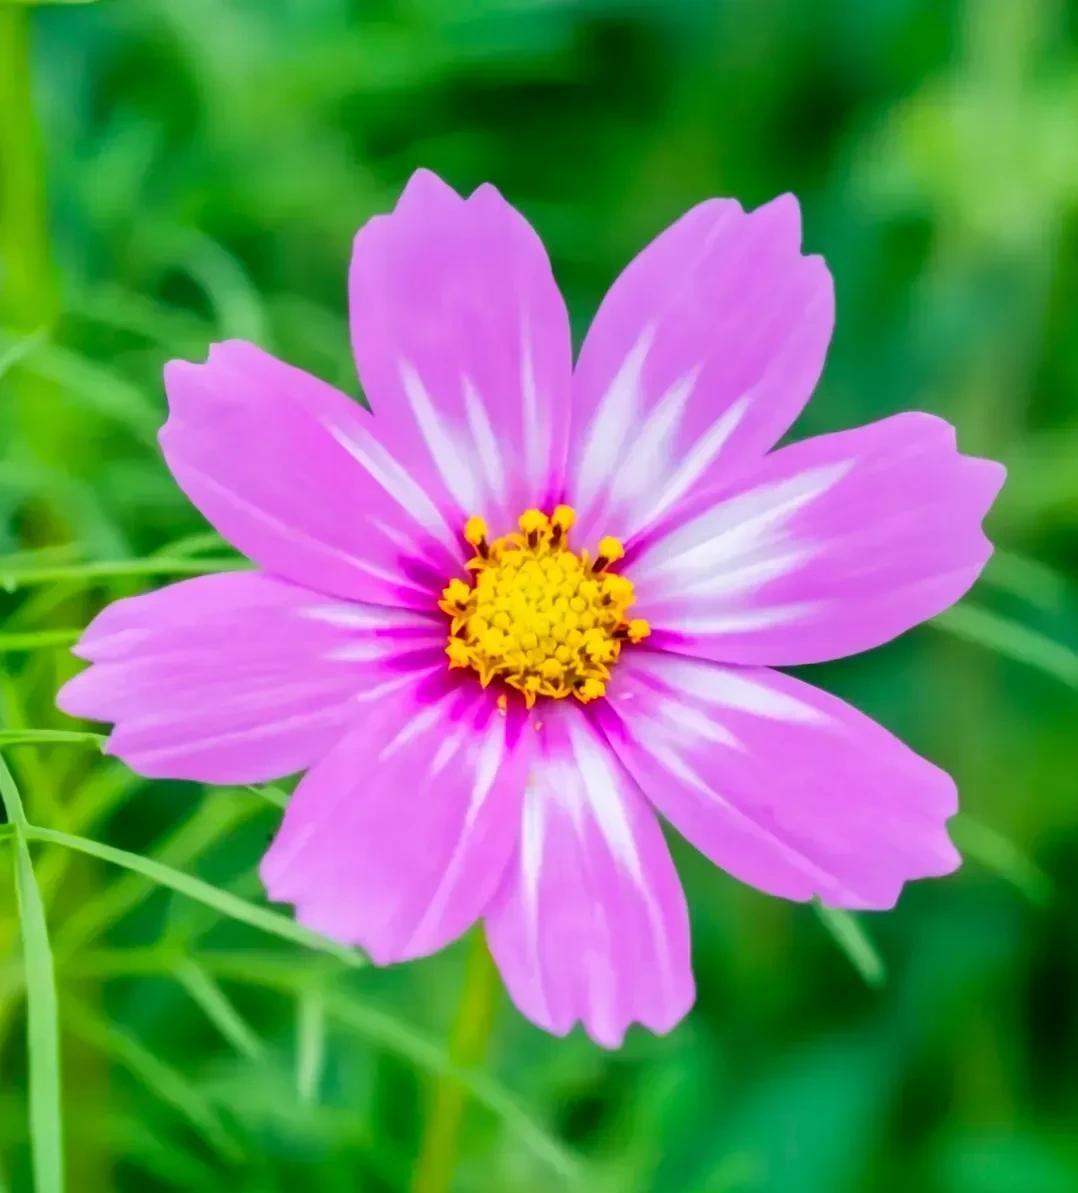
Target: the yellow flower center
pixel 538 616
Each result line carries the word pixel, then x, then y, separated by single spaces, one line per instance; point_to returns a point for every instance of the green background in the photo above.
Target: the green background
pixel 195 169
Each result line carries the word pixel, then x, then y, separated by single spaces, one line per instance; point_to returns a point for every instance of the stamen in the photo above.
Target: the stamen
pixel 610 551
pixel 561 521
pixel 537 616
pixel 475 533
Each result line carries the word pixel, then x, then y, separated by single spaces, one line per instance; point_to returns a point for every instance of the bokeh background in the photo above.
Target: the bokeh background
pixel 179 171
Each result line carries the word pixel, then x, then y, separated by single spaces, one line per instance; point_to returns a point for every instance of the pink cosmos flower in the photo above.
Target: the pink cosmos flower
pixel 493 717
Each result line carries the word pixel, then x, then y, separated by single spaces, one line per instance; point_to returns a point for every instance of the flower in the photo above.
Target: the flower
pixel 521 608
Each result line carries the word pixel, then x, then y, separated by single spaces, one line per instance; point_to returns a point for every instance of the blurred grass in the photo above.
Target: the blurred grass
pixel 198 171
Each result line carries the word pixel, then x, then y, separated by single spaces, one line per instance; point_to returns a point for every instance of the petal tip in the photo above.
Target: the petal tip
pixel 424 186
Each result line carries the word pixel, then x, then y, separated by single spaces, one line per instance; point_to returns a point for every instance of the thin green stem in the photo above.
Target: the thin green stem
pixel 37 639
pixel 467 1048
pixel 29 292
pixel 88 573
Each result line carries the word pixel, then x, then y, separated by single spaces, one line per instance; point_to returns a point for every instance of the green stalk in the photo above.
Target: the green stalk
pixel 29 298
pixel 467 1048
pixel 29 305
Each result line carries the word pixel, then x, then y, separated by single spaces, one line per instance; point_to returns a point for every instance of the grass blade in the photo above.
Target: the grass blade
pixel 13 579
pixel 224 902
pixel 45 737
pixel 310 1042
pixel 19 349
pixel 42 1016
pixel 850 936
pixel 403 1040
pixel 213 820
pixel 1011 639
pixel 218 1009
pixel 991 849
pixel 160 1079
pixel 38 639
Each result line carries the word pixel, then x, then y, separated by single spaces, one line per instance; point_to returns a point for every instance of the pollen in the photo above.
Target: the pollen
pixel 538 616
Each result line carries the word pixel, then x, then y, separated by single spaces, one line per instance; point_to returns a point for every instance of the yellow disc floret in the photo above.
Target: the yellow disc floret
pixel 538 616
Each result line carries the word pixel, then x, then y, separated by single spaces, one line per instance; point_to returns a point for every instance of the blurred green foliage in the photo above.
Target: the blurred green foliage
pixel 197 171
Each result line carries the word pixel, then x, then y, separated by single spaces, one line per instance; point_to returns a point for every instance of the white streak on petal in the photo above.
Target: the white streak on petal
pixel 744 575
pixel 722 686
pixel 399 537
pixel 458 476
pixel 531 845
pixel 650 459
pixel 364 651
pixel 604 800
pixel 692 721
pixel 417 725
pixel 703 454
pixel 359 617
pixel 536 444
pixel 487 766
pixel 383 689
pixel 445 753
pixel 748 619
pixel 613 422
pixel 674 761
pixel 395 481
pixel 486 446
pixel 741 525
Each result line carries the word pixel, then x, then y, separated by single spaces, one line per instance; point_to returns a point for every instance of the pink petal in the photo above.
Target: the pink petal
pixel 831 546
pixel 396 841
pixel 590 923
pixel 782 785
pixel 239 678
pixel 701 356
pixel 462 343
pixel 292 472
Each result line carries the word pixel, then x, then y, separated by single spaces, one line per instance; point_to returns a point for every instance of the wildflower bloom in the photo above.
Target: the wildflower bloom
pixel 521 608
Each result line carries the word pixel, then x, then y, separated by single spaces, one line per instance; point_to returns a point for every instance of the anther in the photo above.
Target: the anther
pixel 561 522
pixel 610 551
pixel 475 533
pixel 533 523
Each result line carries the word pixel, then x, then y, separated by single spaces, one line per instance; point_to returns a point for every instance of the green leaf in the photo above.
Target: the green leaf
pixel 271 794
pixel 850 936
pixel 218 1009
pixel 1012 639
pixel 42 1018
pixel 223 902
